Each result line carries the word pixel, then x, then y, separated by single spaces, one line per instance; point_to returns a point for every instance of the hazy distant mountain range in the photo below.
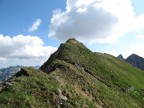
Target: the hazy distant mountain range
pixel 6 73
pixel 76 77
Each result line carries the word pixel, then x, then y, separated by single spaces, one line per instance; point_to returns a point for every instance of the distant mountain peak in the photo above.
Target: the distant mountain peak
pixel 136 61
pixel 134 55
pixel 121 57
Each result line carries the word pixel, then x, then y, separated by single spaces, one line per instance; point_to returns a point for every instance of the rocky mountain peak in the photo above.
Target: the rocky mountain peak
pixel 120 57
pixel 136 61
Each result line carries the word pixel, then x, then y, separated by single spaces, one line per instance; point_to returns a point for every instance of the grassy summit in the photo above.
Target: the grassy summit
pixel 75 77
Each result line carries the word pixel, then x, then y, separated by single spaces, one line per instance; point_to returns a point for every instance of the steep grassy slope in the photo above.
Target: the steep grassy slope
pixel 86 79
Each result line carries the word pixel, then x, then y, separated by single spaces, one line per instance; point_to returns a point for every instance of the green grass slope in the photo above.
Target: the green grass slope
pixel 86 79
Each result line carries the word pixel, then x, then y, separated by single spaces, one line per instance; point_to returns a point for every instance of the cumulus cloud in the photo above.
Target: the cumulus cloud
pixel 24 47
pixel 35 25
pixel 93 20
pixel 138 24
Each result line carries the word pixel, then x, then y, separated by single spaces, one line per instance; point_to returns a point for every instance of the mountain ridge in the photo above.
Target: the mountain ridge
pixel 75 77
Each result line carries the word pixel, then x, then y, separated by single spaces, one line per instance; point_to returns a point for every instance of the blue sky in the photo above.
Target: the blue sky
pixel 18 15
pixel 30 30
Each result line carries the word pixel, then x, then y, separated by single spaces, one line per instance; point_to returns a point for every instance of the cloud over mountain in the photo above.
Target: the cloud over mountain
pixel 93 20
pixel 24 47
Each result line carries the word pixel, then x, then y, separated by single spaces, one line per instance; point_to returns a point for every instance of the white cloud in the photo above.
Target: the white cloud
pixel 136 49
pixel 138 24
pixel 35 25
pixel 140 36
pixel 24 47
pixel 2 59
pixel 94 20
